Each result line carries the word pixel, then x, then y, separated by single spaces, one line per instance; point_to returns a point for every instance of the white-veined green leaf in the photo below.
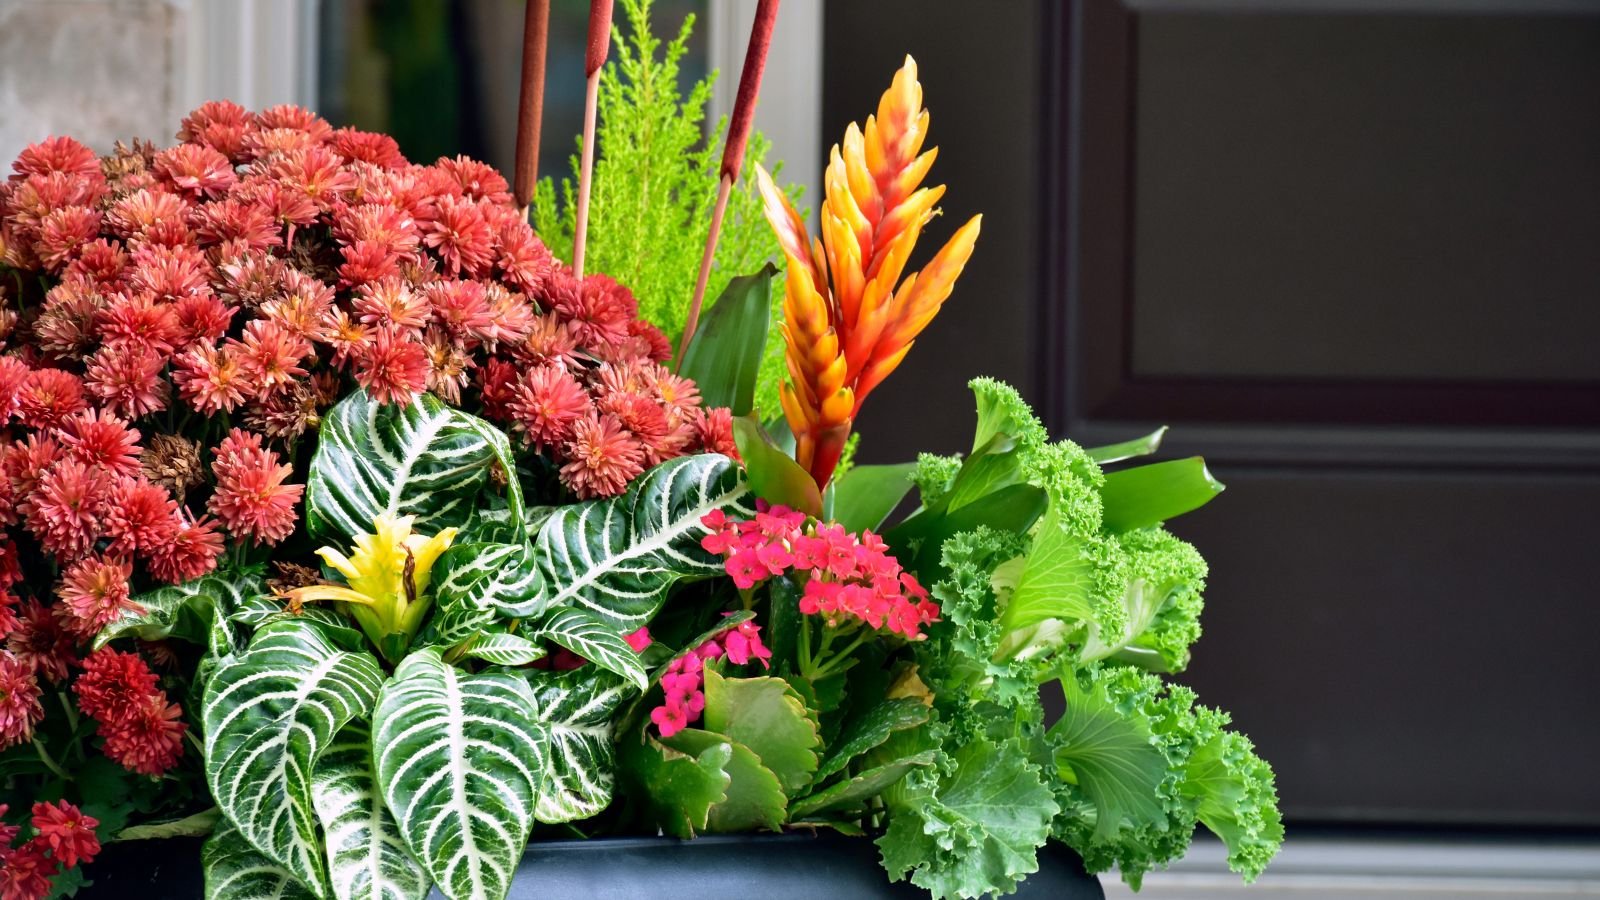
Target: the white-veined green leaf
pixel 470 580
pixel 505 649
pixel 185 611
pixel 459 760
pixel 596 641
pixel 367 857
pixel 260 611
pixel 616 558
pixel 268 714
pixel 576 709
pixel 234 870
pixel 426 460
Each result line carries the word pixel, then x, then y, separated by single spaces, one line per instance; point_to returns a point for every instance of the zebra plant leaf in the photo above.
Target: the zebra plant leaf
pixel 268 714
pixel 596 641
pixel 186 611
pixel 471 580
pixel 234 870
pixel 459 760
pixel 426 460
pixel 367 857
pixel 576 709
pixel 616 558
pixel 505 650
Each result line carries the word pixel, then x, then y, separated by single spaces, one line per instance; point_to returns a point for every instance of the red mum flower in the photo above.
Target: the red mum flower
pixel 220 125
pixel 367 261
pixel 65 328
pixel 211 379
pixel 525 262
pixel 127 378
pixel 644 419
pixel 477 180
pixel 392 229
pixel 270 355
pixel 191 552
pixel 140 517
pixel 66 831
pixel 65 509
pixel 460 306
pixel 49 397
pixel 316 172
pixel 549 340
pixel 546 404
pixel 345 335
pixel 714 431
pixel 203 318
pixel 595 309
pixel 390 304
pixel 40 642
pixel 302 307
pixel 510 317
pixel 20 708
pixel 602 457
pixel 26 872
pixel 63 233
pixel 297 118
pixel 251 498
pixel 13 375
pixel 26 462
pixel 100 439
pixel 232 219
pixel 100 261
pixel 364 146
pixel 196 170
pixel 95 591
pixel 140 319
pixel 250 278
pixel 392 368
pixel 170 272
pixel 497 387
pixel 114 685
pixel 56 154
pixel 144 212
pixel 461 235
pixel 150 739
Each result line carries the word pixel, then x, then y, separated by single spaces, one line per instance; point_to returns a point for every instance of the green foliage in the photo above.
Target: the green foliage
pixel 655 183
pixel 724 356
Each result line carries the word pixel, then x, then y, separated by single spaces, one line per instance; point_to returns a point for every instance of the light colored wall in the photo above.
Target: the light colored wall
pixel 98 70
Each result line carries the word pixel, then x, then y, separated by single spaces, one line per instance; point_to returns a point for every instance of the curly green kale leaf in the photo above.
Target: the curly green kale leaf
pixel 973 830
pixel 1161 602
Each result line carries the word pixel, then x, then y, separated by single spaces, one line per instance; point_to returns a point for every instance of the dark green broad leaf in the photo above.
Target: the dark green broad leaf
pixel 259 611
pixel 1014 508
pixel 679 787
pixel 596 641
pixel 185 611
pixel 766 715
pixel 754 799
pixel 367 855
pixel 234 870
pixel 470 581
pixel 615 559
pixel 426 460
pixel 269 714
pixel 576 709
pixel 725 353
pixel 871 729
pixel 1143 446
pixel 852 793
pixel 865 496
pixel 1149 495
pixel 459 760
pixel 774 475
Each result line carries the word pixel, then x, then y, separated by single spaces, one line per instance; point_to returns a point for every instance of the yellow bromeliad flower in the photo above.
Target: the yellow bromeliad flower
pixel 842 339
pixel 387 579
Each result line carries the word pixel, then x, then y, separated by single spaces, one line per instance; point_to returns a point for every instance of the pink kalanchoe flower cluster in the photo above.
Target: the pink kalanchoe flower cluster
pixel 62 837
pixel 846 577
pixel 685 676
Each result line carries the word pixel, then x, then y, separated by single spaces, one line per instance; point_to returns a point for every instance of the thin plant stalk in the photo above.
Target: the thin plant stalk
pixel 744 111
pixel 594 59
pixel 530 111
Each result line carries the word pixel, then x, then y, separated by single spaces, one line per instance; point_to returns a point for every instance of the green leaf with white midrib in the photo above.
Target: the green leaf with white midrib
pixel 468 579
pixel 459 759
pixel 505 649
pixel 186 610
pixel 234 870
pixel 595 641
pixel 269 713
pixel 425 460
pixel 616 558
pixel 576 710
pixel 367 857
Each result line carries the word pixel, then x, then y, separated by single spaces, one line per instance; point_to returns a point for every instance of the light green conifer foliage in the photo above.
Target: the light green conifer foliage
pixel 655 182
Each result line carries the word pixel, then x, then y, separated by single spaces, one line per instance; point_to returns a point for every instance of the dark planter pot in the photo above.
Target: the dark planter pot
pixel 732 867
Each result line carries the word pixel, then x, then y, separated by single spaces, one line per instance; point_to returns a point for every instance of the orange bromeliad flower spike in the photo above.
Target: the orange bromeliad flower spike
pixel 849 316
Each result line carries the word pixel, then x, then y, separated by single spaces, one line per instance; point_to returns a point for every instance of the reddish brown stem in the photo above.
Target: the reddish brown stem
pixel 530 112
pixel 594 59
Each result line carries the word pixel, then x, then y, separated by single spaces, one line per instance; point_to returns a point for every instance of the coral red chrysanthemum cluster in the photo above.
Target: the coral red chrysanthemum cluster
pixel 62 837
pixel 684 677
pixel 846 577
pixel 143 730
